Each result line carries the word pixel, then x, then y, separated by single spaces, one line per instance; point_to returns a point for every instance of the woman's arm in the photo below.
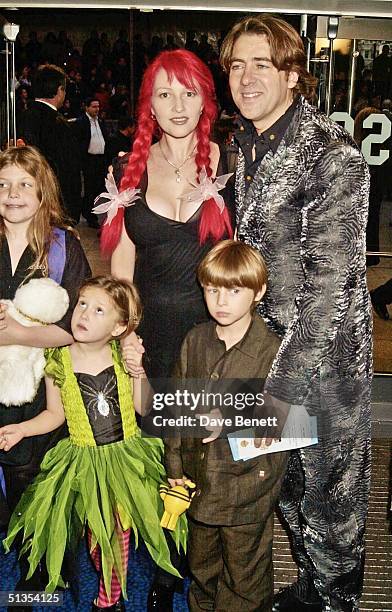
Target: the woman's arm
pixel 46 421
pixel 122 263
pixel 142 395
pixel 123 266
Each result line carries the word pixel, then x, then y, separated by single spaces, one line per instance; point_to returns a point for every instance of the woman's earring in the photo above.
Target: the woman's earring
pixel 153 117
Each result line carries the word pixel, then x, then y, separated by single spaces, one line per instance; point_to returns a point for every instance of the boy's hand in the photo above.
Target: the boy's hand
pixel 215 429
pixel 132 352
pixel 10 435
pixel 173 482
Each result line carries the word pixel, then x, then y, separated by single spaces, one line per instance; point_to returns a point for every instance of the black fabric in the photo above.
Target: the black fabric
pixel 75 271
pixel 250 140
pixel 94 173
pixel 116 143
pixel 383 293
pixel 100 397
pixel 46 129
pixel 168 254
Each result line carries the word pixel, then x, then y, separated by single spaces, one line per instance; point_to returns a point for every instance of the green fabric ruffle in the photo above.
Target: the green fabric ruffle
pixel 89 486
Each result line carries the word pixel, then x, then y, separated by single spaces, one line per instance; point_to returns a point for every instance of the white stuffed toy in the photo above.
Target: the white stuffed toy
pixel 41 301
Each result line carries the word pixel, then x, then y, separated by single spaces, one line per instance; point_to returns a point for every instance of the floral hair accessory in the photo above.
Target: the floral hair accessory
pixel 208 189
pixel 115 200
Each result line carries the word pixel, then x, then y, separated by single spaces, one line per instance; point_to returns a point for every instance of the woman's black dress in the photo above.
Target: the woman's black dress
pixel 168 254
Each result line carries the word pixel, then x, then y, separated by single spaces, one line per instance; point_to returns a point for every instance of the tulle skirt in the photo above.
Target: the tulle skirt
pixel 90 486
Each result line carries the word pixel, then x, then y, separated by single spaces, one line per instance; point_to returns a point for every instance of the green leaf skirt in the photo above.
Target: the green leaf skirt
pixel 101 487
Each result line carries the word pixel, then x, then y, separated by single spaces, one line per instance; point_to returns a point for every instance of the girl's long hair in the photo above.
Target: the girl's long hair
pixel 50 213
pixel 191 72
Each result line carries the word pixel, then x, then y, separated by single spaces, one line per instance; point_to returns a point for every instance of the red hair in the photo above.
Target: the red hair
pixel 191 72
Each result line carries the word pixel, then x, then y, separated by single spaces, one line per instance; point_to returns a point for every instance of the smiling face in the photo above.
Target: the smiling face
pixel 177 108
pixel 261 92
pixel 231 305
pixel 95 318
pixel 18 196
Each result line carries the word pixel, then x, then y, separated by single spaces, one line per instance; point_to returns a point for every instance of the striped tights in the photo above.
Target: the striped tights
pixel 103 601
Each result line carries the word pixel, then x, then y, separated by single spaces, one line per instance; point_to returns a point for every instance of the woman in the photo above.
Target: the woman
pixel 161 239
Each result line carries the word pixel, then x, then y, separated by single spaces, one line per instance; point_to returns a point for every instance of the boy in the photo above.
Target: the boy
pixel 231 514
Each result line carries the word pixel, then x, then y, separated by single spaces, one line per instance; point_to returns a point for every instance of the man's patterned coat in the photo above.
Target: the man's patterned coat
pixel 306 212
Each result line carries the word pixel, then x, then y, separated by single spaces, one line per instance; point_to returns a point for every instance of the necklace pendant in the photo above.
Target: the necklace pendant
pixel 178 178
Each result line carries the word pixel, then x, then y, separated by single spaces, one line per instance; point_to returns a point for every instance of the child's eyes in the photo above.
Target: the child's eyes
pixel 7 185
pixel 100 311
pixel 82 304
pixel 211 289
pixel 235 290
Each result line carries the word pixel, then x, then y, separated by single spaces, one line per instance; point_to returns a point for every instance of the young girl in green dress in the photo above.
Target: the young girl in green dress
pixel 105 475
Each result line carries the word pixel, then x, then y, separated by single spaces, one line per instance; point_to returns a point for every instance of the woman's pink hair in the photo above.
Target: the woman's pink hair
pixel 191 72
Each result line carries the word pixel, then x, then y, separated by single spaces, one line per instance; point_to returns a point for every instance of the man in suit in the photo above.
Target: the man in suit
pixel 309 225
pixel 92 142
pixel 45 128
pixel 122 140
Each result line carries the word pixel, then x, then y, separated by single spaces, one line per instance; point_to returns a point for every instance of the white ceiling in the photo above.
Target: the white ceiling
pixel 355 8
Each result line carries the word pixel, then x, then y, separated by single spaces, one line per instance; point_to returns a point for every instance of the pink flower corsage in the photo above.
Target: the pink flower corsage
pixel 115 200
pixel 207 189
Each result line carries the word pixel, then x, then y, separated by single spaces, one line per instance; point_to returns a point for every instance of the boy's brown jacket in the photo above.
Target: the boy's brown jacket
pixel 228 492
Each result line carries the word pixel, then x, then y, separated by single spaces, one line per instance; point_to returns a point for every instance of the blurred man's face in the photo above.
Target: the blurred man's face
pixel 93 109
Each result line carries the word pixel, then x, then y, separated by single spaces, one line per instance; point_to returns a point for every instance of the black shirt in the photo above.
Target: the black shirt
pixel 269 140
pixel 76 270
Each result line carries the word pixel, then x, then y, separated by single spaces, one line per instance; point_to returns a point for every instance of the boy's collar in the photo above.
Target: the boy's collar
pixel 249 343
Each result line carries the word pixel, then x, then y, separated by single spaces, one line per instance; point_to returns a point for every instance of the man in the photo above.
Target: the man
pixel 44 127
pixel 122 140
pixel 92 142
pixel 308 222
pixel 382 73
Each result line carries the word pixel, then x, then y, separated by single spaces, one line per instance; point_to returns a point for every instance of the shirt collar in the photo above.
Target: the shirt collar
pixel 47 103
pixel 91 119
pixel 250 343
pixel 272 136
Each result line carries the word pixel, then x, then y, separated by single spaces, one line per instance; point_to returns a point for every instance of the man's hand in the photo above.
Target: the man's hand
pixel 132 352
pixel 275 411
pixel 10 435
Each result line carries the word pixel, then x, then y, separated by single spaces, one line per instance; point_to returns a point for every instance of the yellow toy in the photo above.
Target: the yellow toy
pixel 175 500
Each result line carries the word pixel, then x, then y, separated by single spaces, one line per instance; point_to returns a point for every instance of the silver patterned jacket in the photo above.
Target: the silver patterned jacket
pixel 306 212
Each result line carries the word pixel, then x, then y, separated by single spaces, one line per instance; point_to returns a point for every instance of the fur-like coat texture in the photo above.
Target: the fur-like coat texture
pixel 306 212
pixel 40 301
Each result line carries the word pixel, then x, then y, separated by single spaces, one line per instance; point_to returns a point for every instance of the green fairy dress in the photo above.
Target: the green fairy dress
pixel 84 484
